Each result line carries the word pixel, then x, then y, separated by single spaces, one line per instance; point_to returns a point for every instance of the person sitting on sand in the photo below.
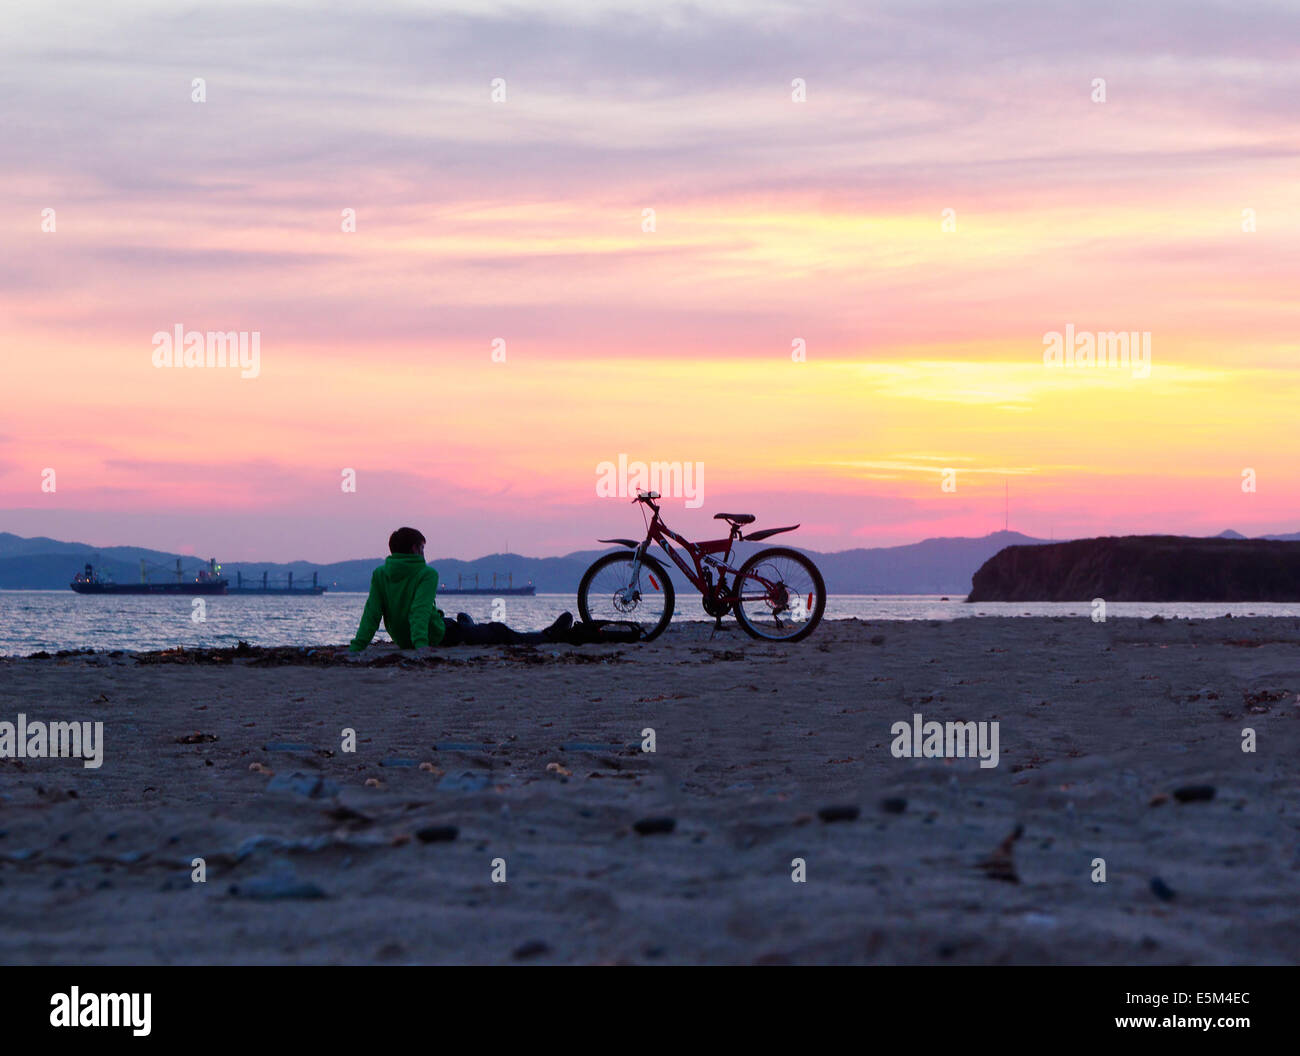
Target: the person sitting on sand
pixel 403 593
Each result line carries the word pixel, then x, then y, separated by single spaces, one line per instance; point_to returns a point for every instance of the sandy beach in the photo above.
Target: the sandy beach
pixel 532 758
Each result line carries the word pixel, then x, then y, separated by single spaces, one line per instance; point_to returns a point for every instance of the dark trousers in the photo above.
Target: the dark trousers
pixel 487 634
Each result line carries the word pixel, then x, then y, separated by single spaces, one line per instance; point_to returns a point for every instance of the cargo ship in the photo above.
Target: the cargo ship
pixel 208 581
pixel 276 588
pixel 494 591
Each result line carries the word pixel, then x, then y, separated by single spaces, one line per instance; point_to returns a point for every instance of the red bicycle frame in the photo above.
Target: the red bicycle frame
pixel 701 555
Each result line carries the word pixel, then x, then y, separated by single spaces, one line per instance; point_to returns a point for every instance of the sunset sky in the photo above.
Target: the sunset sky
pixel 524 220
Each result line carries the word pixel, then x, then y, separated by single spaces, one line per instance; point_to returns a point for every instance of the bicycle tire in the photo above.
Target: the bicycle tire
pixel 648 565
pixel 816 611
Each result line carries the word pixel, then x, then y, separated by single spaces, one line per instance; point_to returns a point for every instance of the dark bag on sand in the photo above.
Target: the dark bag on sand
pixel 595 632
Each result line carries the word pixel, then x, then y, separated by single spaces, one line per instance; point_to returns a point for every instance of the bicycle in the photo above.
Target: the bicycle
pixel 777 595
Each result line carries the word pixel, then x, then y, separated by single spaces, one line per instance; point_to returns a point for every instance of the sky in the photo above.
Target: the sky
pixel 815 249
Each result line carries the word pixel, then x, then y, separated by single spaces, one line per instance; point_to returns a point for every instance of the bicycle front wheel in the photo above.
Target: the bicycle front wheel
pixel 608 592
pixel 780 595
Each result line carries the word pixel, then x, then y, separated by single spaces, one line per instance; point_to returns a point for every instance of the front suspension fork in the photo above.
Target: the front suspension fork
pixel 634 586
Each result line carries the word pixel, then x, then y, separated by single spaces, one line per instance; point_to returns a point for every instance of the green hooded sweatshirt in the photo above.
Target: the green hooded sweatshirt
pixel 402 592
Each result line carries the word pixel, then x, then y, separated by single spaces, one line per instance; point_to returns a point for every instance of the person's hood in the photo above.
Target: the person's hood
pixel 403 566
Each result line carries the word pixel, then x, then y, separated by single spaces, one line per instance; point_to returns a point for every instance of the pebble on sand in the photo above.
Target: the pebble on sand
pixel 279 883
pixel 1001 865
pixel 843 812
pixel 893 804
pixel 655 826
pixel 1162 890
pixel 437 833
pixel 1194 793
pixel 197 738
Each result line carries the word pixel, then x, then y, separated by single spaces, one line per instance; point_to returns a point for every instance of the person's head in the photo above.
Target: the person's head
pixel 406 541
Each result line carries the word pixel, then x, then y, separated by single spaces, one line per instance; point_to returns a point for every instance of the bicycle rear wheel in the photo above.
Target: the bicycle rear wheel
pixel 780 595
pixel 608 593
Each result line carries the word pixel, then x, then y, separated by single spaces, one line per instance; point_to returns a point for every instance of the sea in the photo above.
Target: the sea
pixel 49 620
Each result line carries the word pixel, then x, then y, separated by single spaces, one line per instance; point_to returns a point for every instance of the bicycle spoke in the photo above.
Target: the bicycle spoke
pixel 614 595
pixel 777 597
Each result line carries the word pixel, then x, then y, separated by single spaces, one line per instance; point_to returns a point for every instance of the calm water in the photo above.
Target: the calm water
pixel 32 620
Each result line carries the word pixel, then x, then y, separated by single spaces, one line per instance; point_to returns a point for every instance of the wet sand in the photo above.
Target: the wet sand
pixel 532 758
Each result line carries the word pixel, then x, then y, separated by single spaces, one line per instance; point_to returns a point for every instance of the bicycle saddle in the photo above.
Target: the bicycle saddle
pixel 735 518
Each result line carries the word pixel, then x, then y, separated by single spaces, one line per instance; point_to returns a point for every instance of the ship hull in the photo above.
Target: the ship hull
pixel 183 589
pixel 277 591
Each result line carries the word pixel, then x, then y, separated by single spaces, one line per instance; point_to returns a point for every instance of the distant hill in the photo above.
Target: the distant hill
pixel 47 564
pixel 1143 568
pixel 933 566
